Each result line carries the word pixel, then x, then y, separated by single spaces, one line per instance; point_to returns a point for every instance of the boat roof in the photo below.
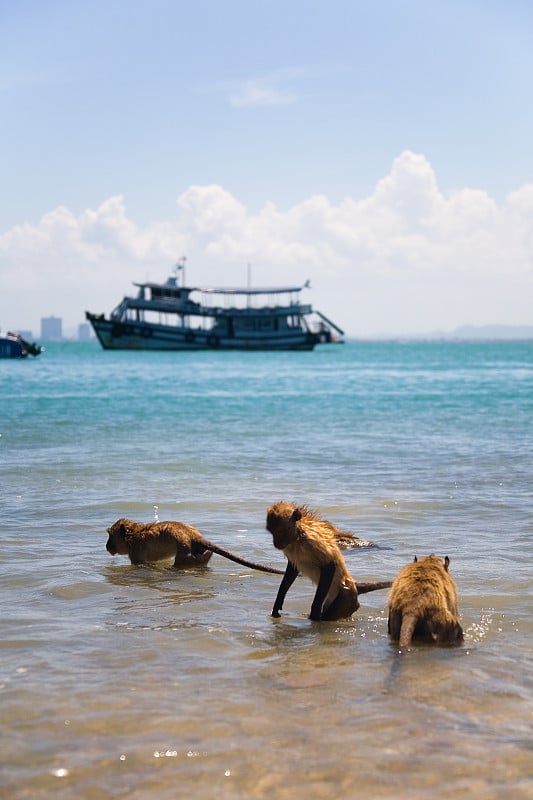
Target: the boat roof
pixel 250 291
pixel 225 290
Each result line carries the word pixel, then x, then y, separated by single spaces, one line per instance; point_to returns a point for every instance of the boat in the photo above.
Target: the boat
pixel 12 345
pixel 173 316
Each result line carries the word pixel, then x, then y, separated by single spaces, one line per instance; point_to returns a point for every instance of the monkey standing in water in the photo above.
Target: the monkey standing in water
pixel 312 520
pixel 310 545
pixel 155 541
pixel 423 604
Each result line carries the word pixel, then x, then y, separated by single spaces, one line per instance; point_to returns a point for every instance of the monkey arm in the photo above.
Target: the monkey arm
pixel 326 576
pixel 136 554
pixel 288 579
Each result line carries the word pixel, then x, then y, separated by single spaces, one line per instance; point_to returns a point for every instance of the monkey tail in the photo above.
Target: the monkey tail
pixel 364 588
pixel 407 630
pixel 238 560
pixel 348 541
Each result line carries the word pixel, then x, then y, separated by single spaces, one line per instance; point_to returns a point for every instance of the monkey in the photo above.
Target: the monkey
pixel 311 548
pixel 159 540
pixel 345 540
pixel 423 604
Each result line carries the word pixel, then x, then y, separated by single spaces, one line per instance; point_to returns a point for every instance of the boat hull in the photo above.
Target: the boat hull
pixel 14 346
pixel 114 335
pixel 10 348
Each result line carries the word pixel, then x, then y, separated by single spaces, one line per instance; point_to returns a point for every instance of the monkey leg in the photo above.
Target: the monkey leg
pixel 394 624
pixel 327 573
pixel 136 554
pixel 344 605
pixel 199 553
pixel 441 631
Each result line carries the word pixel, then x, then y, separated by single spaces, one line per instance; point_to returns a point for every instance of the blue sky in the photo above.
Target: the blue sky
pixel 380 149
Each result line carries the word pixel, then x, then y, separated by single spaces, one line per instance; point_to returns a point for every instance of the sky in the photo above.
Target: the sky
pixel 381 149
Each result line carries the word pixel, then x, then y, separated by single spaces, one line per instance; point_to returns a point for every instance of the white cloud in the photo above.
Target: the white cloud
pixel 210 210
pixel 270 89
pixel 259 93
pixel 407 258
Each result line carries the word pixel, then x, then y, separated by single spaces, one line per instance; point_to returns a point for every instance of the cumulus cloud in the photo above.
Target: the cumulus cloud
pixel 407 258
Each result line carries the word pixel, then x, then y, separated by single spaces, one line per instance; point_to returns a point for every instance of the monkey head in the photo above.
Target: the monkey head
pixel 282 522
pixel 116 543
pixel 444 562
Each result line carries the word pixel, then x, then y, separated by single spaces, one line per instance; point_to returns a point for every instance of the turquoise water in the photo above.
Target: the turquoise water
pixel 145 682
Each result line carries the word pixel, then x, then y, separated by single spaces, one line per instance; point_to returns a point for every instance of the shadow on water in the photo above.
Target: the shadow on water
pixel 149 574
pixel 172 586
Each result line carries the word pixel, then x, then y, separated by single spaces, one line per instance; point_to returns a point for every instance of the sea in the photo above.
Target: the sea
pixel 156 683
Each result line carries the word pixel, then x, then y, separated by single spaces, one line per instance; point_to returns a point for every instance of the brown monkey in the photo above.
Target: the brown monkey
pixel 311 548
pixel 158 540
pixel 423 604
pixel 312 520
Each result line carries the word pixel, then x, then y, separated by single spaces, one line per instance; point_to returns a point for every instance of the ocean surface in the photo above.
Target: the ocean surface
pixel 150 683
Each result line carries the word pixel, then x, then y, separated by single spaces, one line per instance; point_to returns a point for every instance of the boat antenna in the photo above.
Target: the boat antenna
pixel 180 267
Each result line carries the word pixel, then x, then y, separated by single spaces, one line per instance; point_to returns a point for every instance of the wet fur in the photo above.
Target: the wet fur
pixel 154 541
pixel 423 604
pixel 311 547
pixel 312 520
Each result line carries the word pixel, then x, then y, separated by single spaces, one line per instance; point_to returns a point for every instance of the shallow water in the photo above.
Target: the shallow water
pixel 147 682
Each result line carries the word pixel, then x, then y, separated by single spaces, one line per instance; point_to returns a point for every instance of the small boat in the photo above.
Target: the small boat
pixel 12 345
pixel 170 316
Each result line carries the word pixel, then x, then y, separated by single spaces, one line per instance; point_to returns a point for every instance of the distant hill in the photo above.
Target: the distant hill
pixel 491 332
pixel 476 333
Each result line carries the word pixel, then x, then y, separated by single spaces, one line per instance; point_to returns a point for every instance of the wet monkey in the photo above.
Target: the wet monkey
pixel 310 545
pixel 312 520
pixel 423 604
pixel 154 541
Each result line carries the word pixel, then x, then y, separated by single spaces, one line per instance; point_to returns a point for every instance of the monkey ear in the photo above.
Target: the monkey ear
pixel 415 559
pixel 446 563
pixel 296 515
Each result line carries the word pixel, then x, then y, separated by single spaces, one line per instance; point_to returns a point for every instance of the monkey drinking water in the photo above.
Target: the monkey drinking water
pixel 423 604
pixel 310 545
pixel 154 541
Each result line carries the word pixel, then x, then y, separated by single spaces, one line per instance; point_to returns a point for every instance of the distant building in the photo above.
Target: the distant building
pixel 51 329
pixel 85 332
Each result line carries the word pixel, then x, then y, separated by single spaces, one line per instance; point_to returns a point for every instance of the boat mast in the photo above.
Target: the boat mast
pixel 180 267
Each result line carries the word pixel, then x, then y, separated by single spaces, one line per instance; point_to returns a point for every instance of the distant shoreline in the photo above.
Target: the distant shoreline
pixel 465 333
